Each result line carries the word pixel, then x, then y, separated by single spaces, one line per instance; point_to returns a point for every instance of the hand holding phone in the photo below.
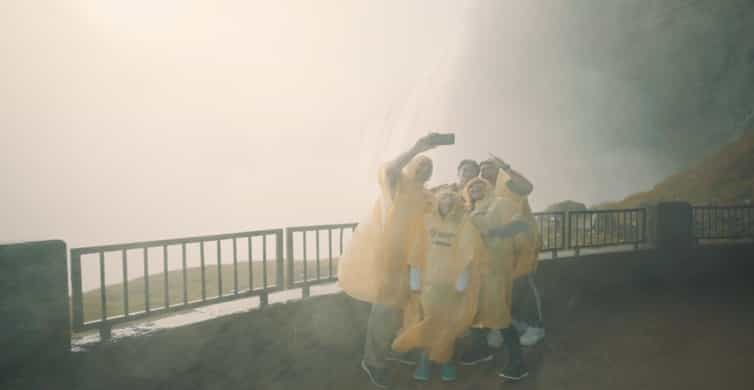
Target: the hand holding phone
pixel 443 139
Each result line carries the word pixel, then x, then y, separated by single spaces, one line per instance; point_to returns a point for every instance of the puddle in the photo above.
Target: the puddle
pixel 84 342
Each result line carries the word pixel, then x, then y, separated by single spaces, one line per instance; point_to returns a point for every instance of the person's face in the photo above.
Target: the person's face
pixel 466 173
pixel 476 191
pixel 489 173
pixel 446 203
pixel 424 171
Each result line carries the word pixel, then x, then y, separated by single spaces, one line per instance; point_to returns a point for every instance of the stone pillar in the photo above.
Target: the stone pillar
pixel 674 225
pixel 35 327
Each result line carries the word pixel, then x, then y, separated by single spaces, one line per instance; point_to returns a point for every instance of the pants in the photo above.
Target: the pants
pixel 527 301
pixel 382 327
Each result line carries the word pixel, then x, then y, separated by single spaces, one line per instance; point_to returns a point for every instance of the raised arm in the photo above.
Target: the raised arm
pixel 394 167
pixel 517 182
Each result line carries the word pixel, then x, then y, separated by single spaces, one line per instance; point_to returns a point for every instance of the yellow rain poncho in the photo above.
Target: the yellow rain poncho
pixel 374 265
pixel 496 258
pixel 439 314
pixel 525 245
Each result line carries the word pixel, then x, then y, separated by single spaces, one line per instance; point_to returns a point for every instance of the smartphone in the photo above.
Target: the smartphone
pixel 444 139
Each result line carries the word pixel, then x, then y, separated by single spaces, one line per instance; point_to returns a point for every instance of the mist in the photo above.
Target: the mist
pixel 126 121
pixel 598 100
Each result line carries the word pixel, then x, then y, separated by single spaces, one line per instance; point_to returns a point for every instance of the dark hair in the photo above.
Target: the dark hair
pixel 488 161
pixel 468 162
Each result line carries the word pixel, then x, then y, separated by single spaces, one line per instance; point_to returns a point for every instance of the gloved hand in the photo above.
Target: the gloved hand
pixel 414 279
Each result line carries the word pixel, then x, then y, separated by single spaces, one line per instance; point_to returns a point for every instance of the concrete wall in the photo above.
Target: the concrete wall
pixel 34 314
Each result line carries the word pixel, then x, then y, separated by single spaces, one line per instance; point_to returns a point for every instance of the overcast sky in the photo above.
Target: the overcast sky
pixel 140 120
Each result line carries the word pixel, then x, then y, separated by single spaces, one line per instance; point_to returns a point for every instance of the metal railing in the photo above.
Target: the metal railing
pixel 723 222
pixel 312 258
pixel 552 231
pixel 299 273
pixel 257 285
pixel 601 228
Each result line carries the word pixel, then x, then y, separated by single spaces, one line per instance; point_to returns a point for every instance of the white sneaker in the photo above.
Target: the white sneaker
pixel 532 336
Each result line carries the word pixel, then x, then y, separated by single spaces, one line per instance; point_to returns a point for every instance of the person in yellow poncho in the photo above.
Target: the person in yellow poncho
pixel 374 265
pixel 497 220
pixel 527 302
pixel 445 286
pixel 467 170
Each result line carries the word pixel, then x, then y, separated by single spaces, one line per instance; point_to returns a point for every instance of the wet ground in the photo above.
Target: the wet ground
pixel 690 331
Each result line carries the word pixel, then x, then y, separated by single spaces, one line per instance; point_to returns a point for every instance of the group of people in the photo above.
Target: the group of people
pixel 438 264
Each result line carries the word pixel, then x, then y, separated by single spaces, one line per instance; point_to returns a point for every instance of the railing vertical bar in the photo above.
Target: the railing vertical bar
pixel 264 261
pixel 628 233
pixel 565 231
pixel 185 273
pixel 291 280
pixel 165 275
pixel 251 264
pixel 329 251
pixel 280 266
pixel 103 292
pixel 341 241
pixel 316 237
pixel 644 223
pixel 219 270
pixel 582 231
pixel 306 259
pixel 739 222
pixel 124 259
pixel 305 291
pixel 707 228
pixel 235 266
pixel 146 280
pixel 203 271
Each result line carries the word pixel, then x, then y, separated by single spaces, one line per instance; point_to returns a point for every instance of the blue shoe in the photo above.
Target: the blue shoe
pixel 449 372
pixel 422 368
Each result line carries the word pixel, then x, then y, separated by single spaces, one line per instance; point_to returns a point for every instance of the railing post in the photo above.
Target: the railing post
pixel 644 234
pixel 280 271
pixel 78 304
pixel 566 230
pixel 289 254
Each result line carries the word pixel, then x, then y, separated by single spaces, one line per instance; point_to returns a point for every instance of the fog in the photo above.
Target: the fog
pixel 141 120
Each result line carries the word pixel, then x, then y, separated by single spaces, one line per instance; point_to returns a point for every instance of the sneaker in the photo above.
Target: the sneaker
pixel 422 368
pixel 476 356
pixel 514 371
pixel 378 376
pixel 532 336
pixel 406 358
pixel 449 373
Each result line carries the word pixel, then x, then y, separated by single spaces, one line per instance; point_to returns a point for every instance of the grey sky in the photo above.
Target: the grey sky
pixel 123 121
